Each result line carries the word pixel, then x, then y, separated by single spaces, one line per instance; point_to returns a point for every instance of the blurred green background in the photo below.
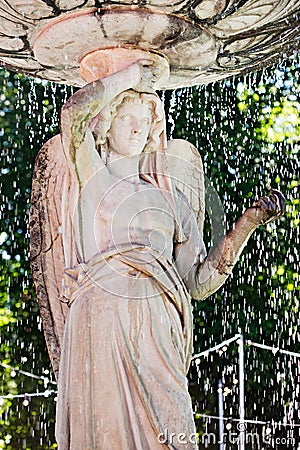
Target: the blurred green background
pixel 247 131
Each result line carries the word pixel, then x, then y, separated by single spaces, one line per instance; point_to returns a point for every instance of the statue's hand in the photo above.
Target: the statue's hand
pixel 141 75
pixel 267 208
pixel 149 73
pixel 145 73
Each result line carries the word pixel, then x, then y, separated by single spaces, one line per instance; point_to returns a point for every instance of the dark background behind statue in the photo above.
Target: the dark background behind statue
pixel 243 129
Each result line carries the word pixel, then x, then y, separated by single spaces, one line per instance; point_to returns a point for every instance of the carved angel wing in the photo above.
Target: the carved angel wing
pixel 186 170
pixel 48 259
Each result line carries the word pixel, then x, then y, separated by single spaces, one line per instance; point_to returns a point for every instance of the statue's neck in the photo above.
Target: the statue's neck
pixel 123 167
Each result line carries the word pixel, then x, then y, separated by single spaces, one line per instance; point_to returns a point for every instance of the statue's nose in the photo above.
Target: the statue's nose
pixel 136 127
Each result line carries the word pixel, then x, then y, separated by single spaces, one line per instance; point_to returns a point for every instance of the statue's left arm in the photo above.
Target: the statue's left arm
pixel 204 275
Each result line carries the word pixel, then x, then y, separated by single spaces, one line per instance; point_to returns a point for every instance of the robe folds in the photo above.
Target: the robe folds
pixel 126 351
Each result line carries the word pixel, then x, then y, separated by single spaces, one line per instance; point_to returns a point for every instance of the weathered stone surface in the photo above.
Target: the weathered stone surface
pixel 116 231
pixel 204 40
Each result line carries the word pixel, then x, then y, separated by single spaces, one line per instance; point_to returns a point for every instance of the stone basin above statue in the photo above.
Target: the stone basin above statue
pixel 202 41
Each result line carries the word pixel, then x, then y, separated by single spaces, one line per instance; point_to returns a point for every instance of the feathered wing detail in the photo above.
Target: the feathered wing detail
pixel 51 181
pixel 186 170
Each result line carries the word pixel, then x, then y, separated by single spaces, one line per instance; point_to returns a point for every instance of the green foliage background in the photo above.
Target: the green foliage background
pixel 247 132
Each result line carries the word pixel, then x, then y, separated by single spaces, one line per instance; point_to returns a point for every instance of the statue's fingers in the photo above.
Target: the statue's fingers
pixel 266 203
pixel 258 204
pixel 275 203
pixel 281 209
pixel 272 206
pixel 272 209
pixel 281 201
pixel 145 62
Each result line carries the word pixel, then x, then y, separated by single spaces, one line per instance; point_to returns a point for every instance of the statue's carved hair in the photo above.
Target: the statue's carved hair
pixel 157 135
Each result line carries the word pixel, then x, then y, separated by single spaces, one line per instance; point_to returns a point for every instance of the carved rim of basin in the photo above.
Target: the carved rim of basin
pixel 76 42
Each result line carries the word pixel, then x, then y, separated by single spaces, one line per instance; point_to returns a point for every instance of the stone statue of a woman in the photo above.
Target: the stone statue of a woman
pixel 117 254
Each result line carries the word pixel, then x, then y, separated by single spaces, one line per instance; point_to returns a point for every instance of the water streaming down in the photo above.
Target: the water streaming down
pixel 233 124
pixel 247 131
pixel 28 117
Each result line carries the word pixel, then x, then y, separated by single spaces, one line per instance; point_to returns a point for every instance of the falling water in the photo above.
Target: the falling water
pixel 247 131
pixel 245 152
pixel 28 117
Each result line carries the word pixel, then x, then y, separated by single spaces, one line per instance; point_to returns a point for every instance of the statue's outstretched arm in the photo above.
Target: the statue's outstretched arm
pixel 206 277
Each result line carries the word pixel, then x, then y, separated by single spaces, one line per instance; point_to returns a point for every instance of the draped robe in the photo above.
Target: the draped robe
pixel 128 336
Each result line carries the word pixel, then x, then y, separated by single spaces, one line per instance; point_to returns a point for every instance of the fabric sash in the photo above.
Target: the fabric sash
pixel 148 262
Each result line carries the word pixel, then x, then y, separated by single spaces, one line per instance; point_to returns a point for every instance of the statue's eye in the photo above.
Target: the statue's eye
pixel 124 117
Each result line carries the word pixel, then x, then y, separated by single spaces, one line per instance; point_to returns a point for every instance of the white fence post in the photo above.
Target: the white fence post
pixel 221 415
pixel 242 423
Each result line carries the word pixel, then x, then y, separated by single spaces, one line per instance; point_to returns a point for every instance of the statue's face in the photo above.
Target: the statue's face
pixel 130 128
